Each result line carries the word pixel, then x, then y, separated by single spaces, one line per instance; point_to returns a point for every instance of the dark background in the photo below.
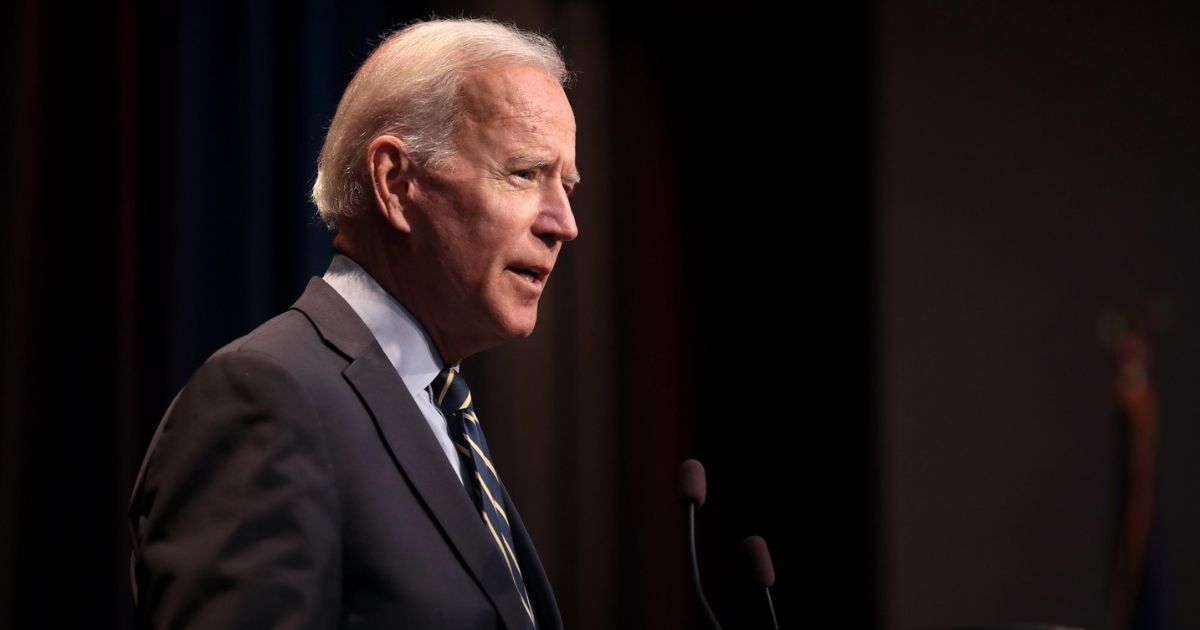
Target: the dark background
pixel 1035 168
pixel 851 257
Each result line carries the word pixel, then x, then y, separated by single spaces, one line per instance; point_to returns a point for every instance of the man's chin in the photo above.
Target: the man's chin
pixel 520 325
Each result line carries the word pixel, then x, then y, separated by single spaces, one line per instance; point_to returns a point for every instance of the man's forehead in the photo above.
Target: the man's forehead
pixel 523 113
pixel 511 92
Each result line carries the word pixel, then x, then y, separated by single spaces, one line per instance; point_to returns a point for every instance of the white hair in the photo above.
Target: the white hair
pixel 410 87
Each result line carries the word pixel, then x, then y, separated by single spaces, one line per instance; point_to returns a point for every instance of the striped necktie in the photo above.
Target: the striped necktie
pixel 454 398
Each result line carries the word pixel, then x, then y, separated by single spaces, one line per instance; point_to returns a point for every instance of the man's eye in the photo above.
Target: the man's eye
pixel 528 174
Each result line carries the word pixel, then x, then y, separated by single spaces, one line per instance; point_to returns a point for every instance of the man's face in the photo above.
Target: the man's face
pixel 492 222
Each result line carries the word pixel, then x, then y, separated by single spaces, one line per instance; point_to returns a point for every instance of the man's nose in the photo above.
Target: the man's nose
pixel 556 222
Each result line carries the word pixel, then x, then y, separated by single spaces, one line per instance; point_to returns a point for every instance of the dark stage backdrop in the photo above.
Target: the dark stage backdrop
pixel 1035 167
pixel 157 159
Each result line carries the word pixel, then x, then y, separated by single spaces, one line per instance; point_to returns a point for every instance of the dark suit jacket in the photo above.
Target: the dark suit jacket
pixel 294 483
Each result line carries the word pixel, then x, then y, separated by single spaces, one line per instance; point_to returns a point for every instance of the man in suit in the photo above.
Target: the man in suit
pixel 328 470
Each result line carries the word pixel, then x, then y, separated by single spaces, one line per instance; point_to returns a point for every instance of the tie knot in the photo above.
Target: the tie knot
pixel 450 391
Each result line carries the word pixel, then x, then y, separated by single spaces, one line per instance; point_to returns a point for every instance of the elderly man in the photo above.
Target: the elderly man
pixel 328 469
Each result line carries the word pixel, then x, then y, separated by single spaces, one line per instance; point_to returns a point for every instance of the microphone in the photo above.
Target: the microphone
pixel 692 490
pixel 761 570
pixel 691 482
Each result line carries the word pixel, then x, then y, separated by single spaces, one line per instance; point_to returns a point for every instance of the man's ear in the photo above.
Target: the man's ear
pixel 392 172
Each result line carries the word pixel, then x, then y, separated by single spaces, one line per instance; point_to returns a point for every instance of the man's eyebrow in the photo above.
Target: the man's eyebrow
pixel 526 161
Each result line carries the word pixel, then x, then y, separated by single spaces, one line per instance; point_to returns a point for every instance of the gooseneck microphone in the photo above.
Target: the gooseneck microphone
pixel 692 490
pixel 761 570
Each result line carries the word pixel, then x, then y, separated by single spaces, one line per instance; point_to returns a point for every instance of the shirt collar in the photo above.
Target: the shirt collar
pixel 402 338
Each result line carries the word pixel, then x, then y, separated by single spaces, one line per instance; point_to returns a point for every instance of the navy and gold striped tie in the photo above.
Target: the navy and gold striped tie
pixel 452 395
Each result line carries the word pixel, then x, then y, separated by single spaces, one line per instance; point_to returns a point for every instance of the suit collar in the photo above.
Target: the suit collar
pixel 413 446
pixel 333 318
pixel 403 338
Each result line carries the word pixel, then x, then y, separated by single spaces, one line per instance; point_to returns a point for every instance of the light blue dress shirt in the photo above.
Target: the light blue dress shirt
pixel 402 338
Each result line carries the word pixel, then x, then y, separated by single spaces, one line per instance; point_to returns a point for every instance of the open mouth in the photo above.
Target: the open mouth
pixel 532 274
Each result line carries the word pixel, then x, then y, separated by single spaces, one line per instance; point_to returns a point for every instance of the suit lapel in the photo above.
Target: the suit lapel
pixel 536 583
pixel 412 445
